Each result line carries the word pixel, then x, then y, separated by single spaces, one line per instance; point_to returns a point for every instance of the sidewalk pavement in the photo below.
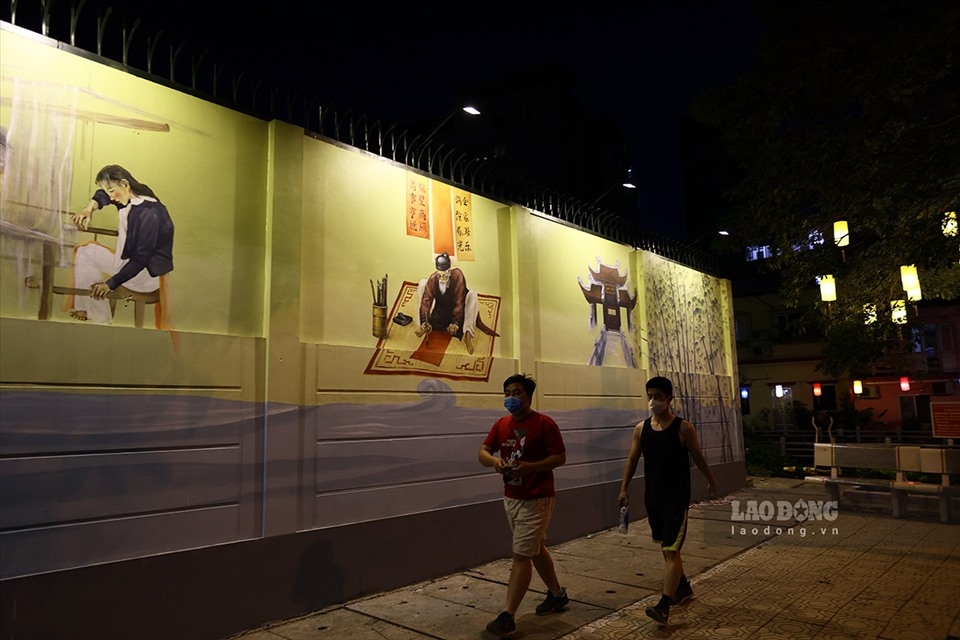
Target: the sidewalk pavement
pixel 864 575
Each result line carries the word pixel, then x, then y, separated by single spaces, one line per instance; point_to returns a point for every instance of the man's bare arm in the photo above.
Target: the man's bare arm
pixel 630 466
pixel 688 436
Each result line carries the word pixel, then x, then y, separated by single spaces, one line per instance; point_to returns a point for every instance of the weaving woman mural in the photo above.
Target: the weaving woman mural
pixel 143 254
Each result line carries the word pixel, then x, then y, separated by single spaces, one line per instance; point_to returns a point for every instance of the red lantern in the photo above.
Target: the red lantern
pixel 817 391
pixel 904 384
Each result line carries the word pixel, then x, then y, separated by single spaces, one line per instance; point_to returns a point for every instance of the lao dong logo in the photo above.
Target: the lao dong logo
pixel 784 510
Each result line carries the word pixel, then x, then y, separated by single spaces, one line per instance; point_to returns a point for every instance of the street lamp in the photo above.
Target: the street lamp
pixel 626 184
pixel 473 111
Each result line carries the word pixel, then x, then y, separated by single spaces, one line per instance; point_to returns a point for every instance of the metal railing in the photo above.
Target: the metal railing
pixel 137 48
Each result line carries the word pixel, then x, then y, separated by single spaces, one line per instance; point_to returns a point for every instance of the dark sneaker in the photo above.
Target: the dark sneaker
pixel 553 602
pixel 684 593
pixel 503 626
pixel 659 613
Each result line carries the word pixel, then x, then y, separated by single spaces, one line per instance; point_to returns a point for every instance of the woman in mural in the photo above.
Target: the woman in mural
pixel 144 251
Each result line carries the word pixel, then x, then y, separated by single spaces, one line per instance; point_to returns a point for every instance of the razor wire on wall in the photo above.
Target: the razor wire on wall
pixel 144 51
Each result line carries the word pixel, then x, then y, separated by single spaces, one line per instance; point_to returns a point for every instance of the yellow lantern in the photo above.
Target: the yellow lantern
pixel 909 277
pixel 857 387
pixel 913 295
pixel 828 288
pixel 841 234
pixel 898 311
pixel 949 225
pixel 869 313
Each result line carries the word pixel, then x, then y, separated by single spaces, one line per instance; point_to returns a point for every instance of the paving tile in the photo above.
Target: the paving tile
pixel 643 569
pixel 257 634
pixel 466 590
pixel 603 593
pixel 858 625
pixel 802 613
pixel 779 629
pixel 427 615
pixel 720 632
pixel 341 624
pixel 621 627
pixel 930 621
pixel 955 628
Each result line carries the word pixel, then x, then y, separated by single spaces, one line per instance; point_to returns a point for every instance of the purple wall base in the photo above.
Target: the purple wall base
pixel 215 592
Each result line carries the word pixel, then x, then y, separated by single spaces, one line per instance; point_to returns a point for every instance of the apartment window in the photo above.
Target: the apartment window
pixel 760 252
pixel 789 324
pixel 931 341
pixel 742 325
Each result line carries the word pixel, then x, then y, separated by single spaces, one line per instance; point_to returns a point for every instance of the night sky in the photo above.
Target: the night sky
pixel 637 64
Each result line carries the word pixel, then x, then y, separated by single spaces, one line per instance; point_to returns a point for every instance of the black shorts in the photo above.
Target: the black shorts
pixel 668 527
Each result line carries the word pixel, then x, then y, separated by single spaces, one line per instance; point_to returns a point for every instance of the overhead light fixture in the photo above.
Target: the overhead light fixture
pixel 466 109
pixel 723 232
pixel 626 184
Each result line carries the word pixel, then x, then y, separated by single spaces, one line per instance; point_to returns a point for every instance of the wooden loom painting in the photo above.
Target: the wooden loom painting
pixel 436 354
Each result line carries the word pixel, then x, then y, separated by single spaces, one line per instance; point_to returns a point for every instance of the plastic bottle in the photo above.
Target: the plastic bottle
pixel 624 525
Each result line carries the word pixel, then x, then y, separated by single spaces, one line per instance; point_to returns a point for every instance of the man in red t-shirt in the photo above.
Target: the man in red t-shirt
pixel 530 447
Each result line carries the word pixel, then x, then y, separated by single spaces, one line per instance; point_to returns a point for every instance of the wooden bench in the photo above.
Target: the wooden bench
pixel 121 293
pixel 901 459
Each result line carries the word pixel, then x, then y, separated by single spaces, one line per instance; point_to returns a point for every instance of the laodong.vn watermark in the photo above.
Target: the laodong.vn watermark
pixel 756 519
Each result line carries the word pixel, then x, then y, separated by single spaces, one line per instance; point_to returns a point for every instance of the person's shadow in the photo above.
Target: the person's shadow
pixel 319 581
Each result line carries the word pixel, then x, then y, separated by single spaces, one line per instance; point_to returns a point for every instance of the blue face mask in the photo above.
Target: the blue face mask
pixel 513 405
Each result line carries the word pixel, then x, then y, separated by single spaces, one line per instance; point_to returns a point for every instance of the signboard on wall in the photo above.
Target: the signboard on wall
pixel 946 419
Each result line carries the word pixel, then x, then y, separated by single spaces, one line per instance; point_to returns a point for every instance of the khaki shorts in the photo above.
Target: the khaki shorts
pixel 528 520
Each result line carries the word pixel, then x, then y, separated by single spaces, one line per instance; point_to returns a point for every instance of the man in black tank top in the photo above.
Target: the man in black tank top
pixel 667 443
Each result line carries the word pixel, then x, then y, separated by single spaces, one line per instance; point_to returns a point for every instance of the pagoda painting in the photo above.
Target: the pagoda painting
pixel 608 289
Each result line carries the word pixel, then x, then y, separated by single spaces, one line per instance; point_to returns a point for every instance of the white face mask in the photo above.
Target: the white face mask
pixel 658 406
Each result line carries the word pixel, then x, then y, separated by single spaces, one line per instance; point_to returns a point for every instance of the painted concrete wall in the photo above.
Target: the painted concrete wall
pixel 266 450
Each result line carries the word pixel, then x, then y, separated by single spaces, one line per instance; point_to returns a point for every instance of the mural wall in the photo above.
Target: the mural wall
pixel 64 119
pixel 332 337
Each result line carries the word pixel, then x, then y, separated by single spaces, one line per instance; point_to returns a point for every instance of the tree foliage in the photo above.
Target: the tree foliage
pixel 851 113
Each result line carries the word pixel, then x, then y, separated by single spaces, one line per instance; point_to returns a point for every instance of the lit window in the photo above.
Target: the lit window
pixel 759 252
